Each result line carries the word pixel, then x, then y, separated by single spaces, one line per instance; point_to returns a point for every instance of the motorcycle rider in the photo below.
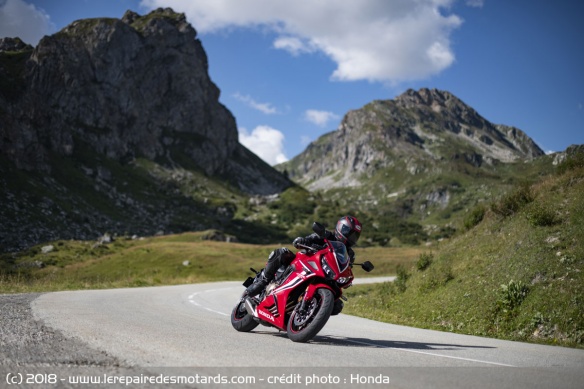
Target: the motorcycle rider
pixel 347 231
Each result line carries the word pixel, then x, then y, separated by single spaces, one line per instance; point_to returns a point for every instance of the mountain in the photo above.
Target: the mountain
pixel 136 87
pixel 419 131
pixel 114 125
pixel 420 159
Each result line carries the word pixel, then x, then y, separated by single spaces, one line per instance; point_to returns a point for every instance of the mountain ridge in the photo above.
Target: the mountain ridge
pixel 416 122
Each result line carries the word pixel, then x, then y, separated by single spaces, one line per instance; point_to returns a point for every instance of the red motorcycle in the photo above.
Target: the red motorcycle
pixel 303 296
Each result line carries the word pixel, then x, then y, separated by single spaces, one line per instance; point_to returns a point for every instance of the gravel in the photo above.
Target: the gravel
pixel 26 341
pixel 37 356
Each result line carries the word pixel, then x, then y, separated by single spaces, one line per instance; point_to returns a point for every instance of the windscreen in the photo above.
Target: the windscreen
pixel 341 255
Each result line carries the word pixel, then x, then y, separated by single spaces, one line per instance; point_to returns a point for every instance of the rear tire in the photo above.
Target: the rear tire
pixel 303 327
pixel 241 320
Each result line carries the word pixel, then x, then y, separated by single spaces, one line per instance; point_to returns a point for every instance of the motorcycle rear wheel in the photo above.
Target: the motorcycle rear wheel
pixel 241 320
pixel 303 326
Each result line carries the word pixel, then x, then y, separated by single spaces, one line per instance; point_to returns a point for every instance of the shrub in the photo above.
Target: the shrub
pixel 512 202
pixel 424 261
pixel 540 215
pixel 438 276
pixel 512 295
pixel 475 217
pixel 444 233
pixel 293 206
pixel 401 278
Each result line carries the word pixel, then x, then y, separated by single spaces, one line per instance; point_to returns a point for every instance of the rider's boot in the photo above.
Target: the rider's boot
pixel 257 286
pixel 274 262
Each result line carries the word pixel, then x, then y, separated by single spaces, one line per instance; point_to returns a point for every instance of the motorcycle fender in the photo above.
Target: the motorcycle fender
pixel 309 294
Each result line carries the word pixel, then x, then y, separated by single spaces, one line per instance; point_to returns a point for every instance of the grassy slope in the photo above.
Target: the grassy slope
pixel 517 276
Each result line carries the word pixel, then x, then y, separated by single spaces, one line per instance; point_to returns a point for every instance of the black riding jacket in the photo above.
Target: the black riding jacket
pixel 315 239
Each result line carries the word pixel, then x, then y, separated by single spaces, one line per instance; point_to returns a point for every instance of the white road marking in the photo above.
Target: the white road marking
pixel 193 296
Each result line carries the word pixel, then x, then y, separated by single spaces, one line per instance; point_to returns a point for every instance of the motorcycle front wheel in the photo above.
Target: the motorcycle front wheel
pixel 304 325
pixel 241 320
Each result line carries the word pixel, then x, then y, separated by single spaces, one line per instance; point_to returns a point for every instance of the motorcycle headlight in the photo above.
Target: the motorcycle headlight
pixel 330 274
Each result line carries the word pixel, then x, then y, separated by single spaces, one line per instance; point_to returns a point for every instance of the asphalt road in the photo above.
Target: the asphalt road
pixel 186 330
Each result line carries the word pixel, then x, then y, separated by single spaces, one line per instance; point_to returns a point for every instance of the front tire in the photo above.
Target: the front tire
pixel 303 326
pixel 241 320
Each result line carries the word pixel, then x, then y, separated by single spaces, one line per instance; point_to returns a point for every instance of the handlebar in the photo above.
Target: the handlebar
pixel 298 245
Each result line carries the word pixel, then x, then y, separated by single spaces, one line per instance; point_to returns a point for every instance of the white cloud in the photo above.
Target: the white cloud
pixel 23 20
pixel 320 118
pixel 475 3
pixel 266 142
pixel 262 107
pixel 375 40
pixel 293 45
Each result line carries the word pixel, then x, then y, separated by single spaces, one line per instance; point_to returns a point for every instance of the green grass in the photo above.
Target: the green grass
pixel 142 22
pixel 155 261
pixel 516 274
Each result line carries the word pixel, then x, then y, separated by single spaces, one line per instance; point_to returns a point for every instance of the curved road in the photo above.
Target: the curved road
pixel 187 329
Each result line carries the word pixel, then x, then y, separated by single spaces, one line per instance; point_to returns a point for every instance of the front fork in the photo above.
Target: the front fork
pixel 311 290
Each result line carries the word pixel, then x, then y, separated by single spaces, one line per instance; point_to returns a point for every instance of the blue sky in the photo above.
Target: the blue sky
pixel 290 70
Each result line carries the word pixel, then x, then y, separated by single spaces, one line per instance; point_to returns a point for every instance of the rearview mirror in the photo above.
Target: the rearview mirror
pixel 367 266
pixel 319 229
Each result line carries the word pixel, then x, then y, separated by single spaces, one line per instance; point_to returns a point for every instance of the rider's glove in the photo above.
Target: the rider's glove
pixel 299 241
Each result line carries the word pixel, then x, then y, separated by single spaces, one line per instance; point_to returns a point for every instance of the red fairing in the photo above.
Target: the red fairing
pixel 302 298
pixel 328 268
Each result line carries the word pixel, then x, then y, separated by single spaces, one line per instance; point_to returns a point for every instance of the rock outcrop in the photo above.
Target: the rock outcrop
pixel 419 131
pixel 135 87
pixel 114 125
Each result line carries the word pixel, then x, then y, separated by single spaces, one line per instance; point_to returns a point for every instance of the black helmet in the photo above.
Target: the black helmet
pixel 348 230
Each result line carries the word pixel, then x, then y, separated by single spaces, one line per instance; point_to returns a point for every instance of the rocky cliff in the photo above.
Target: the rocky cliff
pixel 135 87
pixel 114 125
pixel 421 131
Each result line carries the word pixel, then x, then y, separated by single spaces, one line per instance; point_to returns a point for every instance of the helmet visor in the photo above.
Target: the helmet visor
pixel 350 234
